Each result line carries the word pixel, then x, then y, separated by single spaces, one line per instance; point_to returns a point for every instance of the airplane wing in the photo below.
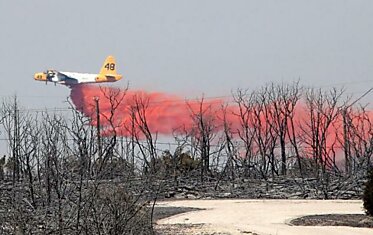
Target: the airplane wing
pixel 66 79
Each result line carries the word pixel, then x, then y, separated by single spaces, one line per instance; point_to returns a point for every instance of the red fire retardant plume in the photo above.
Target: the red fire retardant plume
pixel 164 113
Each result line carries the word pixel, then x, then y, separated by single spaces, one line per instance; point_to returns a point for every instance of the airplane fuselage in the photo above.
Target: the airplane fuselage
pixel 107 74
pixel 78 77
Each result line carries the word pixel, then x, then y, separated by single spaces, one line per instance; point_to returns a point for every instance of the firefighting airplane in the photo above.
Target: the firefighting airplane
pixel 107 73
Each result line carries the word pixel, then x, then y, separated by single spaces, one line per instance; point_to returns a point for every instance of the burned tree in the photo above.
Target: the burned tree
pixel 139 111
pixel 323 109
pixel 245 104
pixel 357 139
pixel 283 99
pixel 203 131
pixel 114 97
pixel 11 122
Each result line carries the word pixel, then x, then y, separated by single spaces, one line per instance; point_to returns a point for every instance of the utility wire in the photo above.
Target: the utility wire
pixel 213 97
pixel 362 96
pixel 218 99
pixel 212 145
pixel 162 102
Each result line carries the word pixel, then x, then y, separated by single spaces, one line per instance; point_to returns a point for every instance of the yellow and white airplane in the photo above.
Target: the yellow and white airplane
pixel 108 73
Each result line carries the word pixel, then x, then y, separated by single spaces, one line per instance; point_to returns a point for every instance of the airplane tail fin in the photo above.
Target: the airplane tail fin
pixel 109 67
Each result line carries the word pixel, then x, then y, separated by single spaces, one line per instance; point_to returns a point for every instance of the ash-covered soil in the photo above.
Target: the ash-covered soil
pixel 183 229
pixel 180 229
pixel 164 212
pixel 352 220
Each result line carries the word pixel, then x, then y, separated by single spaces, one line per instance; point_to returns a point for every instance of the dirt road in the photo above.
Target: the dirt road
pixel 263 216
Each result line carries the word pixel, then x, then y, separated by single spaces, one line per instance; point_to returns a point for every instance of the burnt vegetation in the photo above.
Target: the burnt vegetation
pixel 64 173
pixel 368 194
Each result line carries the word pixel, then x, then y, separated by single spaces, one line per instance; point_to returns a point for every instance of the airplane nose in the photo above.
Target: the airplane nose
pixel 37 76
pixel 40 77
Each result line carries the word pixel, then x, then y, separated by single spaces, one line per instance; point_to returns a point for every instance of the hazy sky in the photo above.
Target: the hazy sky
pixel 186 47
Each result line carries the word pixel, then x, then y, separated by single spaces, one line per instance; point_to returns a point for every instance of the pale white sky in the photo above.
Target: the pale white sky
pixel 186 47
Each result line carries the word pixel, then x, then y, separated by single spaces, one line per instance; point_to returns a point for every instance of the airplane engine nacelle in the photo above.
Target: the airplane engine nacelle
pixel 101 79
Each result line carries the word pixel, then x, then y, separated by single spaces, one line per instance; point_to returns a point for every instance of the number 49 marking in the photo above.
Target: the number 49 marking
pixel 110 66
